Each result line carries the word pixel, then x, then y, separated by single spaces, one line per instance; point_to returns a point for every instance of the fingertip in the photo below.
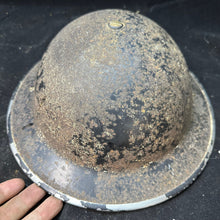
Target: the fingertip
pixel 34 188
pixel 15 184
pixel 32 194
pixel 19 182
pixel 56 203
pixel 53 204
pixel 47 210
pixel 10 188
pixel 15 181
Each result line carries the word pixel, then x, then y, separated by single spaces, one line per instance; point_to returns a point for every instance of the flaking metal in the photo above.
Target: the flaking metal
pixel 113 99
pixel 111 118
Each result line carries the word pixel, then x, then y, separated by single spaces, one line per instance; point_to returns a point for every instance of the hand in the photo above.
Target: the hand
pixel 20 204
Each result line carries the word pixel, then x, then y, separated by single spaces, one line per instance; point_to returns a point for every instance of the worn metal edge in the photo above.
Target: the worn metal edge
pixel 209 148
pixel 114 207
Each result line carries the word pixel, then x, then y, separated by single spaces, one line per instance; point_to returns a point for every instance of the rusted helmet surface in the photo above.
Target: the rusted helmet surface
pixel 111 118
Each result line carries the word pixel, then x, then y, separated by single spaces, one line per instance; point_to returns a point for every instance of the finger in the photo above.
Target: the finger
pixel 47 210
pixel 10 188
pixel 18 206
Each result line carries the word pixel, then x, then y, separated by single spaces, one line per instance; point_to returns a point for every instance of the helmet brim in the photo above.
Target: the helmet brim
pixel 109 191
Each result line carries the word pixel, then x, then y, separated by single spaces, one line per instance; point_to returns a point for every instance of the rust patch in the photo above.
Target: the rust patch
pixel 112 98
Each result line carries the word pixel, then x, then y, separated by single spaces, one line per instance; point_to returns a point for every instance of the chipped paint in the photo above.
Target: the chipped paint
pixel 132 95
pixel 100 187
